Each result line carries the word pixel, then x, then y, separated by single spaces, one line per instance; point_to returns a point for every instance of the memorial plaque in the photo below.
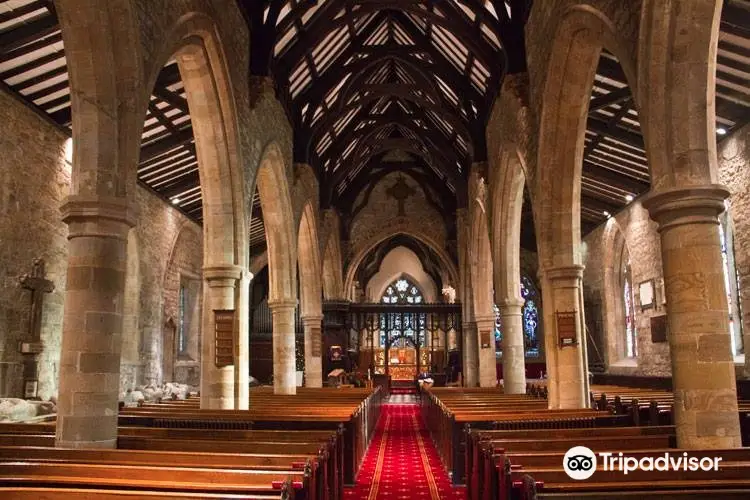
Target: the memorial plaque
pixel 224 339
pixel 486 336
pixel 566 328
pixel 316 341
pixel 659 328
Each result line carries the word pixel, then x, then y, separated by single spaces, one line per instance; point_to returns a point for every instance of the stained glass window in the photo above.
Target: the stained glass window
pixel 181 333
pixel 529 318
pixel 631 342
pixel 402 328
pixel 731 286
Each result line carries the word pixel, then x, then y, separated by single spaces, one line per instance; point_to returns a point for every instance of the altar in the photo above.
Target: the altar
pixel 402 362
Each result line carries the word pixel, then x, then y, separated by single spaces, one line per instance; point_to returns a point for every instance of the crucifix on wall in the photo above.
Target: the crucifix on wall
pixel 32 346
pixel 400 191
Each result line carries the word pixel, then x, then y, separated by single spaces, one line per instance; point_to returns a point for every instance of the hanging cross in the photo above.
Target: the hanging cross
pixel 400 191
pixel 39 285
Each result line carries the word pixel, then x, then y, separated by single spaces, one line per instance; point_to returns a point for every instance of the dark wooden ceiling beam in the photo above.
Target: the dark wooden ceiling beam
pixel 599 126
pixel 170 142
pixel 610 177
pixel 599 205
pixel 172 98
pixel 28 32
pixel 606 100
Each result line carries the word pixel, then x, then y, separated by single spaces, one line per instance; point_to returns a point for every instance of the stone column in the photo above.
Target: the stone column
pixel 284 366
pixel 242 366
pixel 471 354
pixel 703 376
pixel 217 384
pixel 514 353
pixel 313 348
pixel 92 323
pixel 567 375
pixel 487 357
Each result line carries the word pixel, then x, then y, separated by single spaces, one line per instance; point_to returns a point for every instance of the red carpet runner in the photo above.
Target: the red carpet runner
pixel 402 462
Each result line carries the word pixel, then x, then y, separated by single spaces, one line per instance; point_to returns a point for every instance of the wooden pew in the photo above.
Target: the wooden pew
pixel 149 478
pixel 36 493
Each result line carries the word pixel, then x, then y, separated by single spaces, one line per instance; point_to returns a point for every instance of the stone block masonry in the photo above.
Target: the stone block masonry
pixel 34 182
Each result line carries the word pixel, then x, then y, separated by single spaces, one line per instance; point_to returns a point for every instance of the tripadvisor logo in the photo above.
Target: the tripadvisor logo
pixel 580 462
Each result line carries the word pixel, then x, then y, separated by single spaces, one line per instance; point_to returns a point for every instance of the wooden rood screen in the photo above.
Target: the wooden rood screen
pixel 403 340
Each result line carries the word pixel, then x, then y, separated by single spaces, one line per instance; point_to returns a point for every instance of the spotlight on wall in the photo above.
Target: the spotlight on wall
pixel 175 201
pixel 628 198
pixel 721 131
pixel 607 214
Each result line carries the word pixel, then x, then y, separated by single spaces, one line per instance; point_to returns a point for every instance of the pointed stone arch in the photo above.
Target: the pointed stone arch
pixel 275 199
pixel 481 272
pixel 311 294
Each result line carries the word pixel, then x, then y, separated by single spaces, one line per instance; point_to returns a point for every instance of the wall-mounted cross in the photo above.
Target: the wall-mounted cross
pixel 39 285
pixel 400 191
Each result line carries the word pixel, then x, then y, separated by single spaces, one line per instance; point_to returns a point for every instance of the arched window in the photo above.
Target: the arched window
pixel 731 283
pixel 631 342
pixel 498 332
pixel 181 327
pixel 529 318
pixel 405 327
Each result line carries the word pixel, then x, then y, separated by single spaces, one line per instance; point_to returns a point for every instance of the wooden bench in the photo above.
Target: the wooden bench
pixel 169 479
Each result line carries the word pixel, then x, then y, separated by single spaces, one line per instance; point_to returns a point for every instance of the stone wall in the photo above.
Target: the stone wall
pixel 734 173
pixel 380 218
pixel 633 228
pixel 34 181
pixel 643 245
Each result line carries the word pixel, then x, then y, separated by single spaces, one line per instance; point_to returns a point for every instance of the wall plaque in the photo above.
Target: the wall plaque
pixel 659 328
pixel 646 293
pixel 316 348
pixel 486 337
pixel 224 343
pixel 566 328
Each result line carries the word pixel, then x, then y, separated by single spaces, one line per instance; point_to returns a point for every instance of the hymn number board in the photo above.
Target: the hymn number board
pixel 224 346
pixel 566 328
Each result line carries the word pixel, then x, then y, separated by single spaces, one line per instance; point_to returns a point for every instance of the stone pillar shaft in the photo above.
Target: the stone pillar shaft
pixel 703 376
pixel 471 354
pixel 567 377
pixel 242 366
pixel 217 384
pixel 487 354
pixel 313 351
pixel 92 324
pixel 284 366
pixel 514 353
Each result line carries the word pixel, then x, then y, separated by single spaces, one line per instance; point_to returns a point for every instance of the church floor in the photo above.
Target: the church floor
pixel 402 462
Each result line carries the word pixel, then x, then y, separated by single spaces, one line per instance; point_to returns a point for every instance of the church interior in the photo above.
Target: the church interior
pixel 374 249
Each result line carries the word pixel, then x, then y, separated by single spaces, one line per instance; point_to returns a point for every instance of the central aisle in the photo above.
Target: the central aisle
pixel 402 462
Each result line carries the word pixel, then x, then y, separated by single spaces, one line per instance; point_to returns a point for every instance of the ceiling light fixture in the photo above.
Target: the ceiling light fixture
pixel 628 198
pixel 175 201
pixel 721 131
pixel 607 214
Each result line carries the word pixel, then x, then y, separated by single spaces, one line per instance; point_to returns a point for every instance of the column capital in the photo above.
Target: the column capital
pixel 561 273
pixel 107 216
pixel 508 303
pixel 222 275
pixel 282 304
pixel 686 205
pixel 311 318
